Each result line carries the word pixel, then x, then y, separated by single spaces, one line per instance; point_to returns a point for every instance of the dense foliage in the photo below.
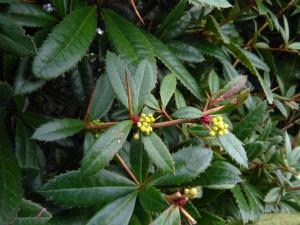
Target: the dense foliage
pixel 149 112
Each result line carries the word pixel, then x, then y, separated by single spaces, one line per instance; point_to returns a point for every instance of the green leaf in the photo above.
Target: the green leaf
pixel 66 44
pixel 242 203
pixel 246 127
pixel 128 40
pixel 187 112
pixel 6 94
pixel 71 217
pixel 171 18
pixel 234 148
pixel 179 100
pixel 13 39
pixel 30 15
pixel 103 99
pixel 24 82
pixel 72 189
pixel 116 212
pixel 151 199
pixel 10 181
pixel 294 46
pixel 186 52
pixel 179 26
pixel 279 219
pixel 167 88
pixel 220 175
pixel 61 7
pixel 213 25
pixel 58 129
pixel 273 195
pixel 30 214
pixel 189 163
pixel 280 106
pixel 25 147
pixel 105 148
pixel 170 216
pixel 214 3
pixel 174 65
pixel 158 152
pixel 213 81
pixel 144 78
pixel 139 160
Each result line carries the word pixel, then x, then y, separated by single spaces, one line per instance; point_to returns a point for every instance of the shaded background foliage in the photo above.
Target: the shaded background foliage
pixel 55 53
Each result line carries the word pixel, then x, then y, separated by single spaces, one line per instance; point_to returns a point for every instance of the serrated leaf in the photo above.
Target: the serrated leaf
pixel 273 195
pixel 208 218
pixel 30 214
pixel 214 3
pixel 58 129
pixel 71 217
pixel 234 148
pixel 61 7
pixel 189 163
pixel 66 44
pixel 186 52
pixel 167 88
pixel 170 216
pixel 174 65
pixel 213 25
pixel 232 87
pixel 280 106
pixel 31 15
pixel 151 199
pixel 187 112
pixel 103 99
pixel 279 219
pixel 247 125
pixel 213 81
pixel 105 148
pixel 158 152
pixel 116 212
pixel 171 18
pixel 10 181
pixel 294 46
pixel 72 189
pixel 13 39
pixel 220 175
pixel 242 203
pixel 139 160
pixel 128 40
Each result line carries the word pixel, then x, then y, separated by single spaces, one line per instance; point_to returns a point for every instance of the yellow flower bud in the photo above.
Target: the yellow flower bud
pixel 150 129
pixel 215 128
pixel 148 120
pixel 143 129
pixel 145 124
pixel 147 132
pixel 139 124
pixel 136 136
pixel 186 191
pixel 226 126
pixel 152 119
pixel 225 131
pixel 141 120
pixel 220 133
pixel 214 120
pixel 219 118
pixel 143 115
pixel 150 115
pixel 193 193
pixel 212 133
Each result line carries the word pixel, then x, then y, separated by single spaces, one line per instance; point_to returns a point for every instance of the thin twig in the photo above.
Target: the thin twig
pixel 86 117
pixel 129 95
pixel 136 11
pixel 293 188
pixel 126 168
pixel 41 213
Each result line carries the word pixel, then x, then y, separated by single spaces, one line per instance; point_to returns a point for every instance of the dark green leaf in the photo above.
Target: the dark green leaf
pixel 214 3
pixel 105 148
pixel 31 15
pixel 179 99
pixel 139 160
pixel 248 124
pixel 116 212
pixel 186 51
pixel 187 113
pixel 10 181
pixel 234 148
pixel 208 218
pixel 151 199
pixel 61 7
pixel 13 39
pixel 72 189
pixel 279 219
pixel 189 163
pixel 66 44
pixel 242 203
pixel 71 217
pixel 213 81
pixel 220 175
pixel 32 214
pixel 158 152
pixel 58 129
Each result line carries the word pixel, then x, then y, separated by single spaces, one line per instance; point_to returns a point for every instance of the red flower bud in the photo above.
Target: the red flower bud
pixel 205 119
pixel 135 119
pixel 181 202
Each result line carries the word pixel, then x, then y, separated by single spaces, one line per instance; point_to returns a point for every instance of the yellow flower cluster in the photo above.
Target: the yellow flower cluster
pixel 191 193
pixel 95 122
pixel 145 123
pixel 219 127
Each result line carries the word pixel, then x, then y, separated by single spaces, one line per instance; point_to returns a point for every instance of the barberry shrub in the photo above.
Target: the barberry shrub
pixel 149 112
